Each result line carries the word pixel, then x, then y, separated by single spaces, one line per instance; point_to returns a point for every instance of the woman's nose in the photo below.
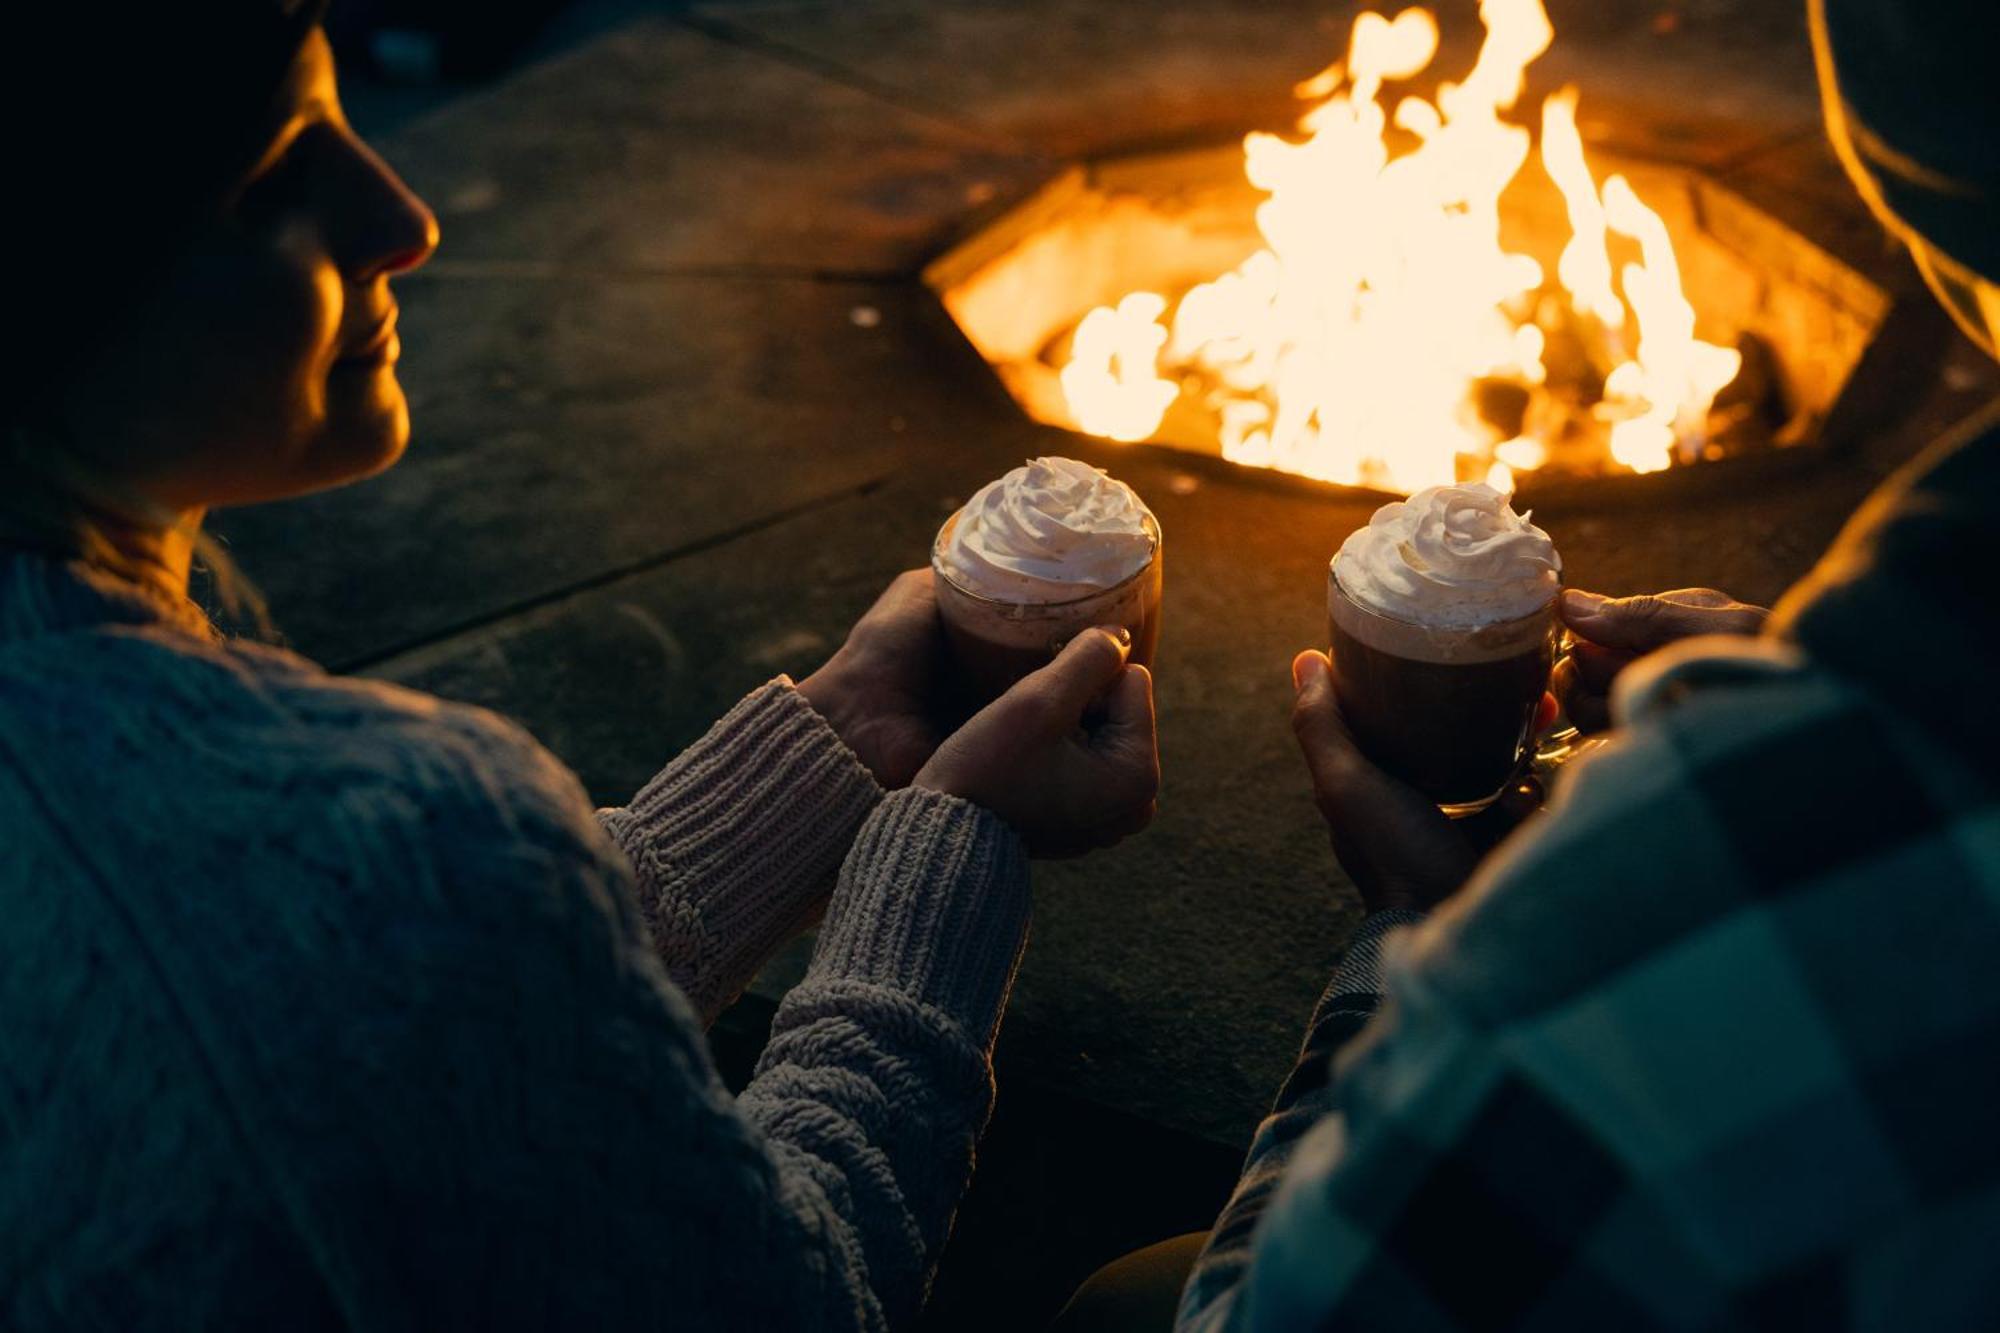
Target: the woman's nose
pixel 380 228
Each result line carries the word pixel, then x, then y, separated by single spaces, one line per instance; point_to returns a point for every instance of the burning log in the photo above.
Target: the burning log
pixel 1750 413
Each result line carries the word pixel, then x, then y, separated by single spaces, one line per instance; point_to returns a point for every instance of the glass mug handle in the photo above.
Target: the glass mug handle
pixel 1562 745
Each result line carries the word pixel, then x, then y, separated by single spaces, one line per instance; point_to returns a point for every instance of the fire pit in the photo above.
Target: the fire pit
pixel 1416 289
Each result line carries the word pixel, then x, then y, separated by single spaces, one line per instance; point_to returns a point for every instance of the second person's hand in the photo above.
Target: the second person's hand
pixel 1613 632
pixel 1068 757
pixel 1394 843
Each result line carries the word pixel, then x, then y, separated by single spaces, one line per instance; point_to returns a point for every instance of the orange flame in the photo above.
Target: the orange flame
pixel 1345 348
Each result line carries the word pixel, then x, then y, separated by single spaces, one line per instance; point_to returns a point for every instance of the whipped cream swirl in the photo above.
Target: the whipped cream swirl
pixel 1049 531
pixel 1450 557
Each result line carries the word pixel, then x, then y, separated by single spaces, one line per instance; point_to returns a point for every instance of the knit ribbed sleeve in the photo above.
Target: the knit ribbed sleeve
pixel 877 1080
pixel 734 844
pixel 934 902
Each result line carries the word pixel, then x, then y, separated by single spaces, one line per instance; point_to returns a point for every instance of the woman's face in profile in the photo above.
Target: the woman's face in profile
pixel 262 363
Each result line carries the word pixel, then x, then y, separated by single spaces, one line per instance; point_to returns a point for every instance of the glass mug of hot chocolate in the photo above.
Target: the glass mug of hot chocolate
pixel 1444 632
pixel 1036 557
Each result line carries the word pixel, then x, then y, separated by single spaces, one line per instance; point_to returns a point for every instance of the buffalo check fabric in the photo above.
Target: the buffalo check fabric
pixel 1716 1045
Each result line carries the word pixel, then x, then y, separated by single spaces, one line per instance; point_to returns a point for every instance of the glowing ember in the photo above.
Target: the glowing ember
pixel 1356 344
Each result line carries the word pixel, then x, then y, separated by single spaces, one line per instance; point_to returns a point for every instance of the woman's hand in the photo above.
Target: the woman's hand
pixel 1613 632
pixel 1396 845
pixel 1068 757
pixel 882 692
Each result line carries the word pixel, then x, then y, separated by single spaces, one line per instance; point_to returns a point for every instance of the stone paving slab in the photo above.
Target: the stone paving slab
pixel 1801 183
pixel 659 147
pixel 1696 81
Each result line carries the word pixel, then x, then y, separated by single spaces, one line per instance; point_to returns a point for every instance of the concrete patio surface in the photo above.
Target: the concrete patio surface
pixel 682 409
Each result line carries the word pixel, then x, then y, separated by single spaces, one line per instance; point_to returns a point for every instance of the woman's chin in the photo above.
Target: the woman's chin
pixel 360 427
pixel 365 432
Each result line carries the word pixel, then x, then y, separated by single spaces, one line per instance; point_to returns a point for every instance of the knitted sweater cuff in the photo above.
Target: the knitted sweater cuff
pixel 933 901
pixel 736 840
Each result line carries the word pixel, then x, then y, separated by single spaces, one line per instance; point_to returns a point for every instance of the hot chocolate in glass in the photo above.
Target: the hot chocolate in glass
pixel 1444 631
pixel 1037 556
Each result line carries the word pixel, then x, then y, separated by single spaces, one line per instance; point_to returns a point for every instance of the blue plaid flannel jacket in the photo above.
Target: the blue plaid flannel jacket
pixel 1716 1044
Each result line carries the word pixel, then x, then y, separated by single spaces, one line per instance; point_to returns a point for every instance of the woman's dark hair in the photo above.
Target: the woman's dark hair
pixel 127 125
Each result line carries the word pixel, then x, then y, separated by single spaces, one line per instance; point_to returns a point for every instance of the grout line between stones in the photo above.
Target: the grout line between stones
pixel 551 270
pixel 378 660
pixel 756 43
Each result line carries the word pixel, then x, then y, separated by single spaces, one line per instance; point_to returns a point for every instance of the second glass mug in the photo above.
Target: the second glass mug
pixel 995 642
pixel 1452 712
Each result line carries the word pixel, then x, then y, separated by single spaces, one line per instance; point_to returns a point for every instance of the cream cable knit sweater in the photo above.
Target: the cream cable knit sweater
pixel 326 1004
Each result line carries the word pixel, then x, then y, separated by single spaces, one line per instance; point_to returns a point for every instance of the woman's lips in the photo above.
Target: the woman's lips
pixel 381 347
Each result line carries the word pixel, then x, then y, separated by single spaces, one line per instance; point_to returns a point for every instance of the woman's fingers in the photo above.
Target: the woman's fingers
pixel 908 604
pixel 1127 707
pixel 1081 675
pixel 1068 757
pixel 1127 741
